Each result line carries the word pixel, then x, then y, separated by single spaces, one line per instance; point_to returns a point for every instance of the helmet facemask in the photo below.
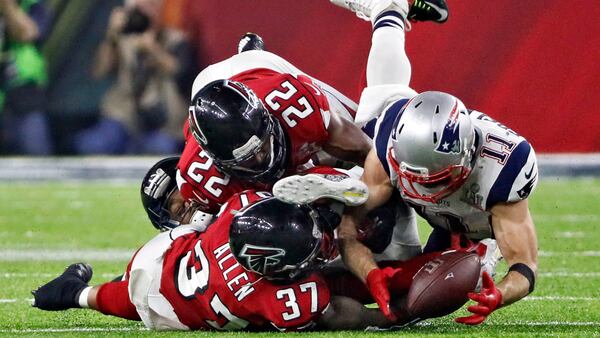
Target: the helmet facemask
pixel 417 183
pixel 323 252
pixel 260 159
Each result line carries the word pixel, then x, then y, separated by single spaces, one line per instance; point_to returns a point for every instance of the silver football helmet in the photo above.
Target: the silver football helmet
pixel 433 145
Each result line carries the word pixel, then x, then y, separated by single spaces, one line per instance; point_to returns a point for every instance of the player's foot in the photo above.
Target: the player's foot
pixel 428 10
pixel 63 292
pixel 367 9
pixel 303 189
pixel 489 256
pixel 250 41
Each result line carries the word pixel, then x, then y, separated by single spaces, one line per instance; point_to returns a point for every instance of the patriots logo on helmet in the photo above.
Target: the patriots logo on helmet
pixel 450 140
pixel 261 258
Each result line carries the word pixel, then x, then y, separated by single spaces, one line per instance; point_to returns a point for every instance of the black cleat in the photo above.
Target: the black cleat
pixel 250 41
pixel 62 292
pixel 428 10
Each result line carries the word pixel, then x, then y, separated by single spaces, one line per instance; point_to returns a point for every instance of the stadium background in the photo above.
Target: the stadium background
pixel 531 64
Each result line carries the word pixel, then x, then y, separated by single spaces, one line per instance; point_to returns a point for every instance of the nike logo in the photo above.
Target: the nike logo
pixel 442 11
pixel 528 175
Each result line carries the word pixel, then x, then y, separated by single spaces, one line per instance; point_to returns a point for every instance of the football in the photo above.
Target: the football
pixel 440 287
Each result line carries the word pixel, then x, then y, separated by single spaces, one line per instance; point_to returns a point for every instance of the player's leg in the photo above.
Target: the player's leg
pixel 405 243
pixel 250 41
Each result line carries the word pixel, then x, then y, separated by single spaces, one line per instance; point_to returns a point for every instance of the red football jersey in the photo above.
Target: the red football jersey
pixel 209 289
pixel 296 102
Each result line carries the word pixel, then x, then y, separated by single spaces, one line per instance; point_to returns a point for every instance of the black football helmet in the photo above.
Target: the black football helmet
pixel 157 186
pixel 281 241
pixel 233 126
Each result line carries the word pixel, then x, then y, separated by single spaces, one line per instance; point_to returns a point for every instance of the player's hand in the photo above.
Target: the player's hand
pixel 377 283
pixel 460 243
pixel 488 300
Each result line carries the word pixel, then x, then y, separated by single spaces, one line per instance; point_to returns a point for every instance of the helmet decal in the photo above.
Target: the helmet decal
pixel 157 184
pixel 195 127
pixel 242 90
pixel 450 140
pixel 261 258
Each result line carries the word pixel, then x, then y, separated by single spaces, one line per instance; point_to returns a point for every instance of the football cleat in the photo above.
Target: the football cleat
pixel 302 189
pixel 428 10
pixel 63 292
pixel 250 41
pixel 489 256
pixel 367 9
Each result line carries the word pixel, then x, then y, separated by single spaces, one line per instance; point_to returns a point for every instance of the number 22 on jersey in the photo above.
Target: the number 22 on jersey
pixel 274 98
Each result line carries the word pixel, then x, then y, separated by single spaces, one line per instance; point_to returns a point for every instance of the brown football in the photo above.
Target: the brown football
pixel 440 287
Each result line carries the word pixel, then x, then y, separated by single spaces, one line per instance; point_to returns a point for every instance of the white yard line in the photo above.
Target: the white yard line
pixel 50 275
pixel 76 329
pixel 569 274
pixel 544 253
pixel 568 298
pixel 43 255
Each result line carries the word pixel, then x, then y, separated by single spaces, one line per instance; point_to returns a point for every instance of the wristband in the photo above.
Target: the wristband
pixel 526 272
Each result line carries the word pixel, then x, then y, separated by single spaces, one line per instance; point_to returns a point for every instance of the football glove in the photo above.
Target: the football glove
pixel 377 282
pixel 488 300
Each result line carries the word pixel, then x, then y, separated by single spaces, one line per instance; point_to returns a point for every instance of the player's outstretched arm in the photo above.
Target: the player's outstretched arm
pixel 346 141
pixel 517 240
pixel 515 233
pixel 356 255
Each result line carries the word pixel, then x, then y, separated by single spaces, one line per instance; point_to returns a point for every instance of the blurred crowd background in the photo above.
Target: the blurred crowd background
pixel 83 77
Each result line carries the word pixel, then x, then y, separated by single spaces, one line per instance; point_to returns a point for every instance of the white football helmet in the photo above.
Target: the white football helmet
pixel 433 144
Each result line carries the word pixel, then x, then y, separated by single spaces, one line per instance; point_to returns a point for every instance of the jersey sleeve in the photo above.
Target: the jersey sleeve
pixel 518 177
pixel 297 306
pixel 526 180
pixel 198 179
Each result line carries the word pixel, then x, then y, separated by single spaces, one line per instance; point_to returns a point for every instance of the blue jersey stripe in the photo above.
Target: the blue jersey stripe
pixel 385 130
pixel 369 128
pixel 501 188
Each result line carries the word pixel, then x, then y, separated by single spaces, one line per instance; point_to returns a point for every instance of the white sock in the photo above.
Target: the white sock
pixel 388 62
pixel 83 296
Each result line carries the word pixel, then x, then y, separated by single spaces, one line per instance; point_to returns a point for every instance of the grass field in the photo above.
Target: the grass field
pixel 44 227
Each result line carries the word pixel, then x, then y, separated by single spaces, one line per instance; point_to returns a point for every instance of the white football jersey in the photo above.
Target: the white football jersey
pixel 505 170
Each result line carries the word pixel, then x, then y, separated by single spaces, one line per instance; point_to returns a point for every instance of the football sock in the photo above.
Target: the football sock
pixel 113 299
pixel 83 295
pixel 388 63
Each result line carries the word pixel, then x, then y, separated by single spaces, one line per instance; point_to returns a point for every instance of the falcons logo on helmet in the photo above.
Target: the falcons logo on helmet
pixel 260 258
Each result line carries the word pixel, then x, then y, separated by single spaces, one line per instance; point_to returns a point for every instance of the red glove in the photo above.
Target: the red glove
pixel 460 243
pixel 488 300
pixel 377 282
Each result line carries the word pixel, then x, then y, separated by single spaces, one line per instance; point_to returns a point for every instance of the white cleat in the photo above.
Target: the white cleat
pixel 302 189
pixel 365 9
pixel 489 256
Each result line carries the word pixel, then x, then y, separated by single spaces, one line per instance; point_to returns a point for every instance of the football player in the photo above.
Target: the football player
pixel 461 170
pixel 255 118
pixel 253 269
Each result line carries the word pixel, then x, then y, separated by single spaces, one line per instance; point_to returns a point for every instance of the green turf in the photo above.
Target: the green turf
pixel 57 216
